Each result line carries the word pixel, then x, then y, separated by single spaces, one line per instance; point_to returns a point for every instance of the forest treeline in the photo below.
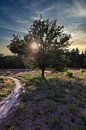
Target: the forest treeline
pixel 11 62
pixel 76 60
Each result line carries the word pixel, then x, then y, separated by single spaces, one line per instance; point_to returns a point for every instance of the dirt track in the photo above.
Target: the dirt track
pixel 10 101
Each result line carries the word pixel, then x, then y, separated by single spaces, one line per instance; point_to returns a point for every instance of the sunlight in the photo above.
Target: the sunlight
pixel 34 46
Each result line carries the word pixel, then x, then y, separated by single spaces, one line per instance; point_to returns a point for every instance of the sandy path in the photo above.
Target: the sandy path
pixel 10 101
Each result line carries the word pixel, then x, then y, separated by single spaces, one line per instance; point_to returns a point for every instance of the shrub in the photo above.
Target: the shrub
pixel 25 96
pixel 73 108
pixel 55 121
pixel 82 70
pixel 83 116
pixel 69 74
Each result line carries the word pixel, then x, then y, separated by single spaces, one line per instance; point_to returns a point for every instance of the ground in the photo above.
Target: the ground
pixel 57 102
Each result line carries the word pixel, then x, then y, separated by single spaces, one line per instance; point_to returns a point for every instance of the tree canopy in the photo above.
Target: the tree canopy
pixel 52 44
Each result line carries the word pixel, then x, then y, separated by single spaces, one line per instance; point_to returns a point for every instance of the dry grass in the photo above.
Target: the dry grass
pixel 6 87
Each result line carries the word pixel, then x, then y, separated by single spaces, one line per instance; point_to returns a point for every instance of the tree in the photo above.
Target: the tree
pixel 17 45
pixel 51 42
pixel 75 58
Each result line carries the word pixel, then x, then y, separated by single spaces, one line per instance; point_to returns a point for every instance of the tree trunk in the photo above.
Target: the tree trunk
pixel 42 73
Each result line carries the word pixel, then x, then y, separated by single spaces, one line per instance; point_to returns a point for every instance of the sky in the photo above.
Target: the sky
pixel 16 16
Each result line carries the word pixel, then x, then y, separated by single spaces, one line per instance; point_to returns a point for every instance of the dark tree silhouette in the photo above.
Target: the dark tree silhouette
pixel 17 45
pixel 52 43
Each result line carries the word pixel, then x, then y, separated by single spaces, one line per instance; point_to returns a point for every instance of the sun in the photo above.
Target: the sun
pixel 34 45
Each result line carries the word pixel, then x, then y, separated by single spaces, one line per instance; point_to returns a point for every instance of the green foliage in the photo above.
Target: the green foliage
pixel 6 87
pixel 55 121
pixel 2 95
pixel 76 59
pixel 73 108
pixel 52 44
pixel 25 97
pixel 83 116
pixel 17 45
pixel 11 62
pixel 59 104
pixel 69 74
pixel 60 60
pixel 82 70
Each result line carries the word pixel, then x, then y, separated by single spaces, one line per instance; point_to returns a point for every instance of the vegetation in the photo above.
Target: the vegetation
pixel 11 62
pixel 77 60
pixel 74 62
pixel 69 74
pixel 57 102
pixel 83 116
pixel 51 44
pixel 6 87
pixel 54 123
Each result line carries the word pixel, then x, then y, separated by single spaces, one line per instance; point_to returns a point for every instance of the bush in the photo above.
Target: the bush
pixel 83 116
pixel 55 121
pixel 82 70
pixel 69 74
pixel 25 96
pixel 73 108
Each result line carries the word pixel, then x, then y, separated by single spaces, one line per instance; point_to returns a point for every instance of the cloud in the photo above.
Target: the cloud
pixel 34 17
pixel 15 28
pixel 34 4
pixel 78 36
pixel 78 9
pixel 5 38
pixel 76 32
pixel 37 7
pixel 46 10
pixel 22 21
pixel 43 12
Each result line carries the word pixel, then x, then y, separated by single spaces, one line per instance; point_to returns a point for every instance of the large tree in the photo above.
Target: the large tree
pixel 52 43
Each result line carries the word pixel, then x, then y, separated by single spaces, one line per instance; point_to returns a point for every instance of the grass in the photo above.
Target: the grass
pixel 51 103
pixel 83 116
pixel 25 97
pixel 27 77
pixel 73 108
pixel 54 122
pixel 6 86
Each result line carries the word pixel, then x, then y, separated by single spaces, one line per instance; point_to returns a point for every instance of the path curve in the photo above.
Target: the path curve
pixel 10 101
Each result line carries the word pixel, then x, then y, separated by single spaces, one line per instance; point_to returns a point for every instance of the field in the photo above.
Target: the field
pixel 57 102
